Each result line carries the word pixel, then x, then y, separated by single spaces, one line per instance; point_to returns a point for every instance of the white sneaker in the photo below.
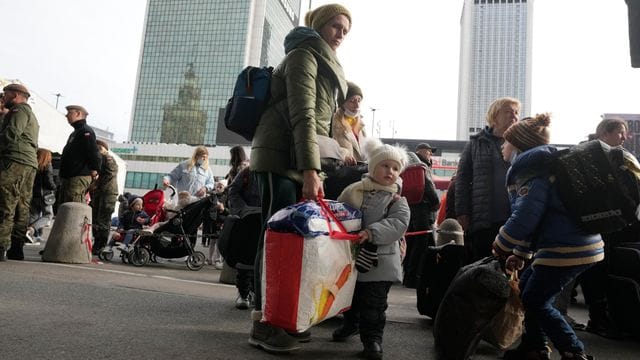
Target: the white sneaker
pixel 218 265
pixel 29 234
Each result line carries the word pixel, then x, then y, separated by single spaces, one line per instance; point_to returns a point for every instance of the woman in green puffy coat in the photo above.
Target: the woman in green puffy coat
pixel 285 155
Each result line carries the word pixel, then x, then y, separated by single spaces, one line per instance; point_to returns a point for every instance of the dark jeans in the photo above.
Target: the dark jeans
pixel 481 241
pixel 540 286
pixel 368 310
pixel 244 282
pixel 276 192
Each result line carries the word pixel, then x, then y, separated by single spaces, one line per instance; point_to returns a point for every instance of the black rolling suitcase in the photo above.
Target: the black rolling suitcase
pixel 238 241
pixel 438 266
pixel 477 293
pixel 623 286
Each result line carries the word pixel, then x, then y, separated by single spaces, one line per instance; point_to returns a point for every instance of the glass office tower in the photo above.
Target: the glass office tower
pixel 495 59
pixel 192 52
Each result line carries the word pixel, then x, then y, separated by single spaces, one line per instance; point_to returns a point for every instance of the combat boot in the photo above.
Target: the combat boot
pixel 15 251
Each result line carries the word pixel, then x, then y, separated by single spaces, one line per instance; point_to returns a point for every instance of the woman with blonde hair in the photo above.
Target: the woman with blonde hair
pixel 481 200
pixel 194 176
pixel 41 209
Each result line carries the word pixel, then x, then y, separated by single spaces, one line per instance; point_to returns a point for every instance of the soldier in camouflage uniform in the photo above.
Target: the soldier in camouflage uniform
pixel 18 164
pixel 104 193
pixel 80 160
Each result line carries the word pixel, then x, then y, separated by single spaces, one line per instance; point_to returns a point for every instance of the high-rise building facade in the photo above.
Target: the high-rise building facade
pixel 495 59
pixel 192 52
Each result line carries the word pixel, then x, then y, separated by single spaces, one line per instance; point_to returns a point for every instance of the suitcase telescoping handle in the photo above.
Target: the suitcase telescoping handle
pixel 340 234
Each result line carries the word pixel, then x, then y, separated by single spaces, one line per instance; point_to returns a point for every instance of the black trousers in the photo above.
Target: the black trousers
pixel 481 241
pixel 244 281
pixel 368 310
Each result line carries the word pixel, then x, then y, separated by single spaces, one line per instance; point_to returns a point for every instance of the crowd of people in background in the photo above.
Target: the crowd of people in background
pixel 485 200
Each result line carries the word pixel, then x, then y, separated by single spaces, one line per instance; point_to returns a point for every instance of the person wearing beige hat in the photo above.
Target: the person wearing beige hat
pixel 540 231
pixel 285 153
pixel 80 161
pixel 347 126
pixel 18 165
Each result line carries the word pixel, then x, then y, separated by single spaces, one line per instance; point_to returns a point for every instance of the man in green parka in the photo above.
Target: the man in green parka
pixel 104 193
pixel 18 163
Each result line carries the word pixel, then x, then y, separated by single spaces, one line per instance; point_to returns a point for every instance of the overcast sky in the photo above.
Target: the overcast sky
pixel 88 51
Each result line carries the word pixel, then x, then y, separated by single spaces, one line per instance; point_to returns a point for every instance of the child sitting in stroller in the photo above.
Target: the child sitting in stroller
pixel 131 221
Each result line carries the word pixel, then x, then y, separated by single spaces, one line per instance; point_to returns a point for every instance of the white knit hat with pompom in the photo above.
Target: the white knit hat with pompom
pixel 376 152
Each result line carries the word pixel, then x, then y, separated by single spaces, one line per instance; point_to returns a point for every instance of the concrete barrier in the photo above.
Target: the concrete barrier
pixel 70 237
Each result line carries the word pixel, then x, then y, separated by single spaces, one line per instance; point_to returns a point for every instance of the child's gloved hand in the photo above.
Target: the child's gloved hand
pixel 514 262
pixel 364 236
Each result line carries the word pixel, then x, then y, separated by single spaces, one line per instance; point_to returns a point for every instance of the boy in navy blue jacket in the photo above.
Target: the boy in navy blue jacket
pixel 540 230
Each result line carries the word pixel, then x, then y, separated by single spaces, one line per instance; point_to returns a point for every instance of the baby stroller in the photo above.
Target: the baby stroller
pixel 154 206
pixel 170 240
pixel 154 201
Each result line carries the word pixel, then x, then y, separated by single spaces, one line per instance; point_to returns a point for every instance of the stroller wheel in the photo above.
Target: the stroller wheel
pixel 107 256
pixel 139 256
pixel 196 261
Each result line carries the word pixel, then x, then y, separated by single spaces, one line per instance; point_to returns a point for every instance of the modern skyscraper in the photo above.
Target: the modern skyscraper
pixel 192 52
pixel 495 59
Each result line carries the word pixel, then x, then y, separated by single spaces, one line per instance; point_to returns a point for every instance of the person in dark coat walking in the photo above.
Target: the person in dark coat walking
pixel 244 202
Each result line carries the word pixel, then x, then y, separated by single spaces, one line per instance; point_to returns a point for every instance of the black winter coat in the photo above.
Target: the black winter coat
pixel 80 155
pixel 43 181
pixel 475 179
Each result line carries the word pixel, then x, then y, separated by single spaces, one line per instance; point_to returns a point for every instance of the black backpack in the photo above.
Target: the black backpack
pixel 597 187
pixel 251 95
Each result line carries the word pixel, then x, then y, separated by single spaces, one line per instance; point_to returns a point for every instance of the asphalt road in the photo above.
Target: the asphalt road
pixel 165 311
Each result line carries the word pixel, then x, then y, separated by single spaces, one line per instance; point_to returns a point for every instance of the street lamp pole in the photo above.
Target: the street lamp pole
pixel 373 119
pixel 58 95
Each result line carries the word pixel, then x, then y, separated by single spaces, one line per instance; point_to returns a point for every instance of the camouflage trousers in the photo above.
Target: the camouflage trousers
pixel 74 189
pixel 16 188
pixel 102 207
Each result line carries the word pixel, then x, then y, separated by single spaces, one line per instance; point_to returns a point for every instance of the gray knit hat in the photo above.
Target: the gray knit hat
pixel 449 231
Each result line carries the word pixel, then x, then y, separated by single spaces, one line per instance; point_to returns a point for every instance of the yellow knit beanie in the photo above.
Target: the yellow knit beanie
pixel 318 17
